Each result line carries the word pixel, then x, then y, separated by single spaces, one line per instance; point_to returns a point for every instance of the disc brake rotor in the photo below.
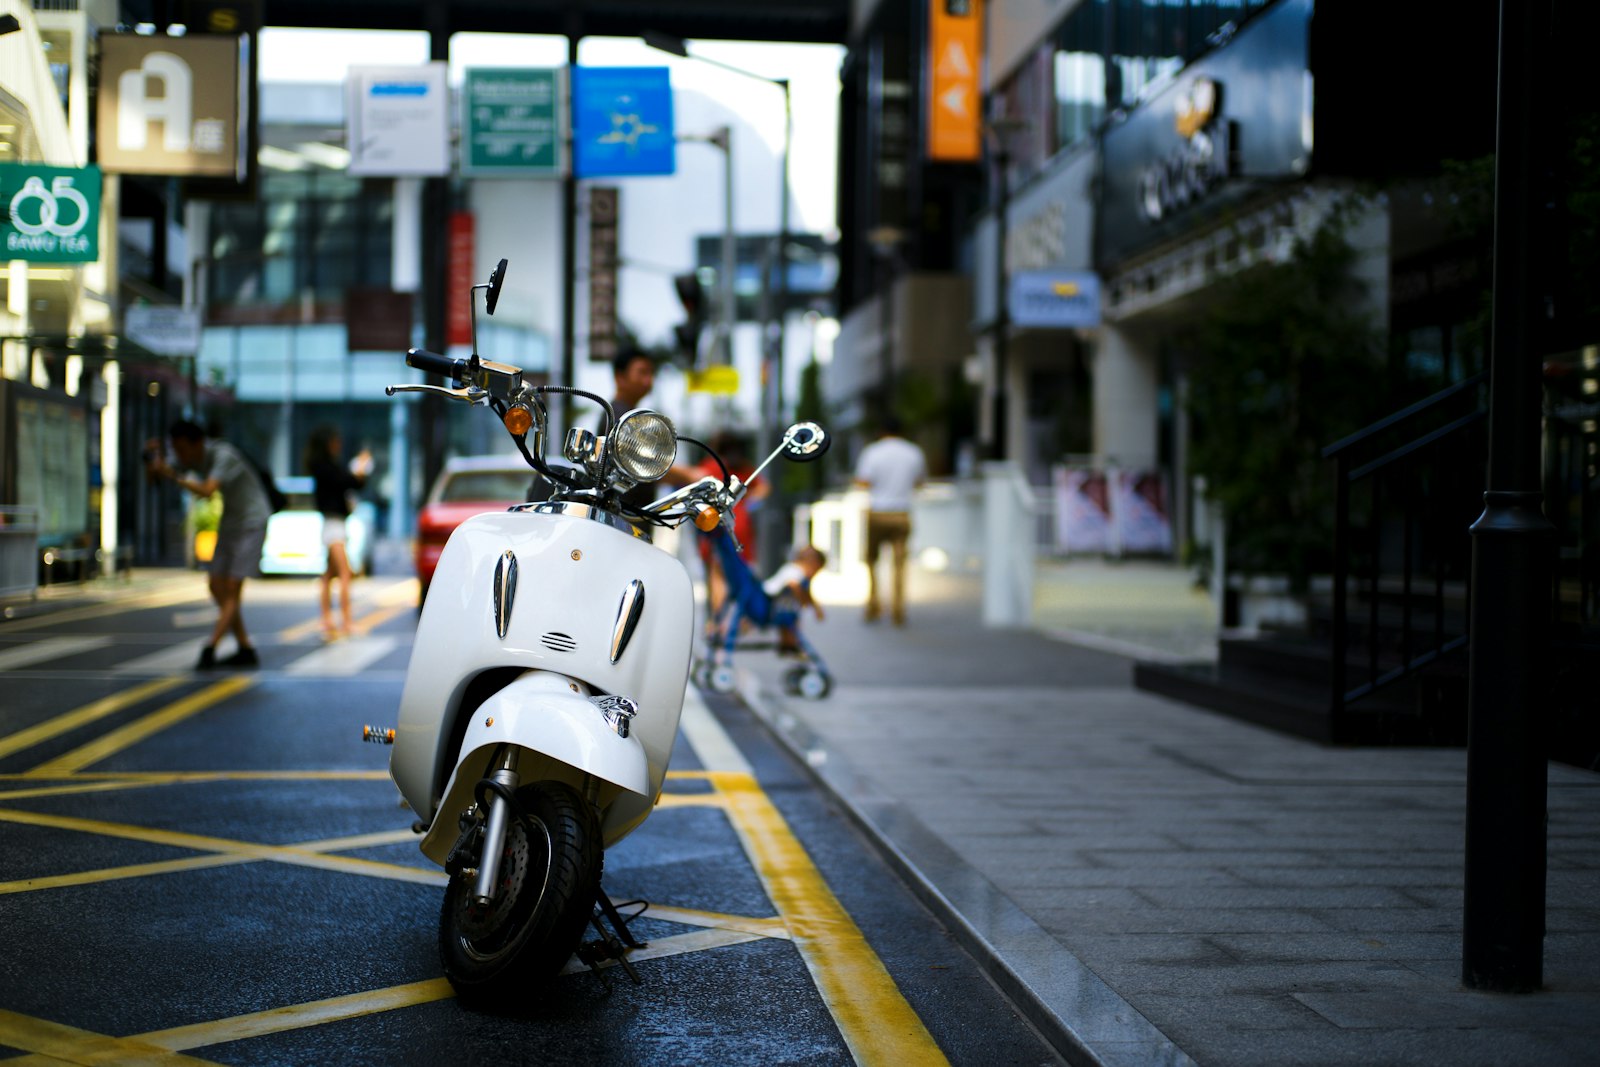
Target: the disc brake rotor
pixel 479 922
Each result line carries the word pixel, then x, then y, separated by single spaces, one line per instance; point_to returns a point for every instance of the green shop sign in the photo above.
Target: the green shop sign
pixel 511 122
pixel 51 214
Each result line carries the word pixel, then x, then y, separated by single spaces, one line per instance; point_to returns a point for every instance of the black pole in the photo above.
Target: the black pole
pixel 1002 321
pixel 1512 563
pixel 435 269
pixel 569 240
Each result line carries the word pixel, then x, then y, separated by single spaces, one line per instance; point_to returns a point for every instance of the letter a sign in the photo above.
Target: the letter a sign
pixel 170 105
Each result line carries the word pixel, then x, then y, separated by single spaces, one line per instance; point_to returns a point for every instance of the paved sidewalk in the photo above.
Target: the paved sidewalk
pixel 1160 884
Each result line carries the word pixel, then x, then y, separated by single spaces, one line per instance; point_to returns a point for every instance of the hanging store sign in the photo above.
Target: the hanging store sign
pixel 603 272
pixel 459 254
pixel 1237 117
pixel 170 105
pixel 511 123
pixel 622 122
pixel 955 50
pixel 163 329
pixel 398 121
pixel 1054 299
pixel 52 214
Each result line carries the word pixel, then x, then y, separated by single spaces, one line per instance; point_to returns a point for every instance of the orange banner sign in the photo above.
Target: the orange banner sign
pixel 955 55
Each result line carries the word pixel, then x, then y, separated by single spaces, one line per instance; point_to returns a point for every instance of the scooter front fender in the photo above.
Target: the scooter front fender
pixel 563 736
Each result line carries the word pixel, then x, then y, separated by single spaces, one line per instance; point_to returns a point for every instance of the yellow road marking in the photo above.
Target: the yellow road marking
pixel 195 863
pixel 76 788
pixel 872 1015
pixel 136 731
pixel 291 854
pixel 299 1016
pixel 91 712
pixel 136 778
pixel 690 800
pixel 56 1043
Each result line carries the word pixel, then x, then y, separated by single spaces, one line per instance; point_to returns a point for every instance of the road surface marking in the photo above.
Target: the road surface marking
pixel 178 657
pixel 343 658
pixel 49 648
pixel 158 599
pixel 56 1044
pixel 127 736
pixel 215 859
pixel 294 855
pixel 91 712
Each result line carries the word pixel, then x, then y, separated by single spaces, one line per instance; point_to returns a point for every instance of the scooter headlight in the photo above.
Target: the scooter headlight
pixel 643 445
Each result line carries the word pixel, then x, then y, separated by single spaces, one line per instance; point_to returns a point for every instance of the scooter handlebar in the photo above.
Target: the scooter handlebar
pixel 433 363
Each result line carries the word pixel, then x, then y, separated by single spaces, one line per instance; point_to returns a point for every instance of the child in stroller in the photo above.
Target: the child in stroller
pixel 774 604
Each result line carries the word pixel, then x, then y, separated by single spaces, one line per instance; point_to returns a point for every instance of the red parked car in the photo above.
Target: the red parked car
pixel 468 485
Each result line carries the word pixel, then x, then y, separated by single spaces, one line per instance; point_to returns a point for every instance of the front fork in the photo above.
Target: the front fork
pixel 504 775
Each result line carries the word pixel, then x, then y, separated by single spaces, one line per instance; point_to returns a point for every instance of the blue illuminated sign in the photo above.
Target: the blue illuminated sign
pixel 622 121
pixel 1054 298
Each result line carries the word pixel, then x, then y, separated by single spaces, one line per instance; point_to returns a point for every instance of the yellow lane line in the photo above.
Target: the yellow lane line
pixel 338 1009
pixel 300 1016
pixel 374 619
pixel 195 863
pixel 98 709
pixel 136 731
pixel 76 788
pixel 690 800
pixel 181 777
pixel 874 1018
pixel 55 1043
pixel 290 854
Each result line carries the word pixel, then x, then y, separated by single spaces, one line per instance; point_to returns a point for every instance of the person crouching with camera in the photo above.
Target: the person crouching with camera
pixel 203 466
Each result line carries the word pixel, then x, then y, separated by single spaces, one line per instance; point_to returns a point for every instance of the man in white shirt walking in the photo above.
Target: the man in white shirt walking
pixel 890 469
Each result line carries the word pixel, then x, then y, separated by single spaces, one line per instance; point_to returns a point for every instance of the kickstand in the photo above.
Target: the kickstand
pixel 608 946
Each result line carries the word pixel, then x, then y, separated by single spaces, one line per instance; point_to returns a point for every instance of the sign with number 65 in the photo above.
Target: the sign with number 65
pixel 49 214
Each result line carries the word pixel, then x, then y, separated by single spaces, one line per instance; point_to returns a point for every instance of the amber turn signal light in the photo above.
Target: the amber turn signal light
pixel 707 520
pixel 519 420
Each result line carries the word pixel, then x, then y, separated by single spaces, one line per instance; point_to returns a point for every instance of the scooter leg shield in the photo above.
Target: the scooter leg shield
pixel 563 736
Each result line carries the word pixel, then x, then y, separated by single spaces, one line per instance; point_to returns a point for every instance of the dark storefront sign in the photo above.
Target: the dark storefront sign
pixel 378 319
pixel 602 272
pixel 170 105
pixel 1236 117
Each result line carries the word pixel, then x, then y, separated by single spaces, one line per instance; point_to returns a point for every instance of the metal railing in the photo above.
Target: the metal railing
pixel 1408 487
pixel 19 551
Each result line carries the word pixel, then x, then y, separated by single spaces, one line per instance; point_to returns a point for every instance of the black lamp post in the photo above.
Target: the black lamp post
pixel 1000 131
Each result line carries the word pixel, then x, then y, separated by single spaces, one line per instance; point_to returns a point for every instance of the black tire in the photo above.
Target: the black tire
pixel 536 923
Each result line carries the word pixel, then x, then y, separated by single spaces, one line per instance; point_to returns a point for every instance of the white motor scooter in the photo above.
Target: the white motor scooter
pixel 543 694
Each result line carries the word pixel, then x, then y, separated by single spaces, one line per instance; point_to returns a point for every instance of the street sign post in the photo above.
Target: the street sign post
pixel 512 120
pixel 622 122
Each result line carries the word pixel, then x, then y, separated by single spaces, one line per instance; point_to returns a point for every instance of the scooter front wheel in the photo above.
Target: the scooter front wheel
pixel 549 880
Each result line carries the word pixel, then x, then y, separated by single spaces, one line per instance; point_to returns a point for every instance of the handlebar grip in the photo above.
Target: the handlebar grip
pixel 433 363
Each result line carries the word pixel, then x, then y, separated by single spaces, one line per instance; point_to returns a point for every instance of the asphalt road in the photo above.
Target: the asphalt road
pixel 211 867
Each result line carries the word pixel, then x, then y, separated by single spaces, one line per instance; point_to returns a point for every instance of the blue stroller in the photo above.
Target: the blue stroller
pixel 747 600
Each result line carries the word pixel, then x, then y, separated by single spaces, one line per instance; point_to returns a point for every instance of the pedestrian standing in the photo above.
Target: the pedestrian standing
pixel 333 484
pixel 889 469
pixel 633 375
pixel 216 465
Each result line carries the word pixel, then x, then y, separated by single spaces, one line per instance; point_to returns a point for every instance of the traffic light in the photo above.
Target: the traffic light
pixel 692 295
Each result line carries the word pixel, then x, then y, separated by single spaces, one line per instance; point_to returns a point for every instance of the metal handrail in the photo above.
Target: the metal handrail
pixel 1436 446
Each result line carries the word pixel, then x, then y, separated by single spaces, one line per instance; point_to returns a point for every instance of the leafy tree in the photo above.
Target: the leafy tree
pixel 1285 360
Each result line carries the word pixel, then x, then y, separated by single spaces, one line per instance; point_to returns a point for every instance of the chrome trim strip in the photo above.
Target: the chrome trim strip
pixel 585 511
pixel 505 590
pixel 628 613
pixel 618 711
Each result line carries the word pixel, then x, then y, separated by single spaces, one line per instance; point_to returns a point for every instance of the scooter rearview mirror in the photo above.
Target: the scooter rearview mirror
pixel 805 441
pixel 496 280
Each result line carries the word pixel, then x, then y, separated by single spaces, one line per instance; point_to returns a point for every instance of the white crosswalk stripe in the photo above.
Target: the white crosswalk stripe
pixel 48 649
pixel 350 656
pixel 172 658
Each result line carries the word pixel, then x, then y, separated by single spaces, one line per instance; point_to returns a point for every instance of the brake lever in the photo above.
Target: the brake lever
pixel 471 394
